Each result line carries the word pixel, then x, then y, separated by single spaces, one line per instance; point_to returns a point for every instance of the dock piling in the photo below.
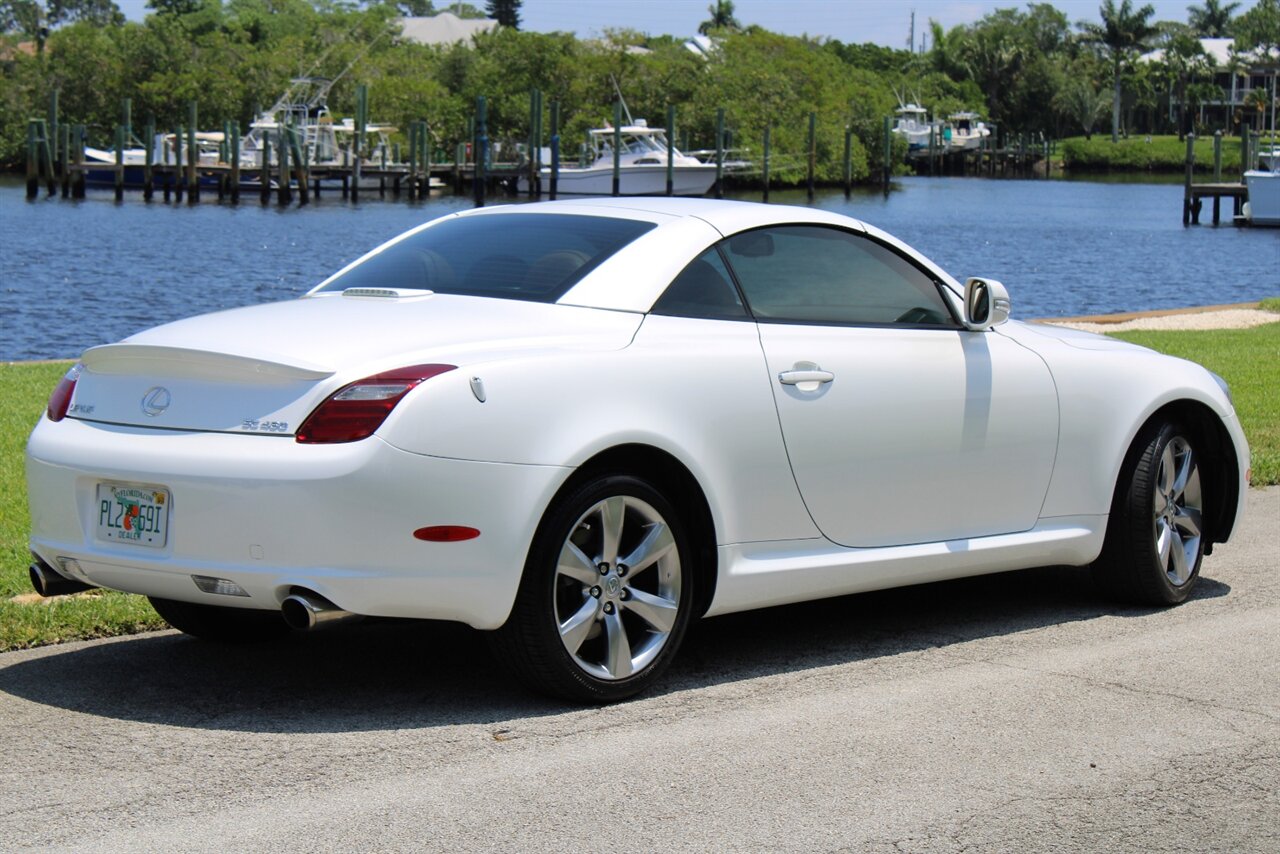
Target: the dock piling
pixel 848 161
pixel 66 160
pixel 424 143
pixel 58 163
pixel 298 158
pixel 720 152
pixel 1186 188
pixel 555 148
pixel 765 175
pixel 235 162
pixel 362 117
pixel 481 149
pixel 33 173
pixel 887 166
pixel 413 159
pixel 119 170
pixel 532 143
pixel 813 150
pixel 284 190
pixel 148 163
pixel 1217 157
pixel 264 190
pixel 46 160
pixel 193 156
pixel 671 153
pixel 77 142
pixel 617 148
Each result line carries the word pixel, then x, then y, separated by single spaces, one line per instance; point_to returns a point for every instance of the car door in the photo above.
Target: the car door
pixel 901 426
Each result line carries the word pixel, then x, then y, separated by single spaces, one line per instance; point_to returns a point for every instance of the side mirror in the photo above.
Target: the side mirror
pixel 986 303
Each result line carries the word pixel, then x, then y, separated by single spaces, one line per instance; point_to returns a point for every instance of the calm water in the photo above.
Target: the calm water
pixel 76 274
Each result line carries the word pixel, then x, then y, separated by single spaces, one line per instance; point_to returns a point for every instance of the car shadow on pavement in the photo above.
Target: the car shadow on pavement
pixel 393 675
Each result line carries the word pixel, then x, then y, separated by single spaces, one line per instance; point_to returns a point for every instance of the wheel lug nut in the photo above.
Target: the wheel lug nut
pixel 595 591
pixel 608 607
pixel 604 568
pixel 622 570
pixel 625 594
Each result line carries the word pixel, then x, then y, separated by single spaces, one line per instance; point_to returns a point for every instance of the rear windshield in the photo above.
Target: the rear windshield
pixel 512 256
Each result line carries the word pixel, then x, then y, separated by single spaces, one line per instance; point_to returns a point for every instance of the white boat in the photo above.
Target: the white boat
pixel 967 133
pixel 164 153
pixel 325 142
pixel 1263 207
pixel 642 166
pixel 913 123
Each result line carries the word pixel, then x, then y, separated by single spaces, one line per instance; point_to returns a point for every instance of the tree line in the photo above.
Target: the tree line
pixel 1030 70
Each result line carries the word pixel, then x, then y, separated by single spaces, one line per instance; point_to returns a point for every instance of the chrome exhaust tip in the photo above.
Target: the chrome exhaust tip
pixel 48 582
pixel 305 612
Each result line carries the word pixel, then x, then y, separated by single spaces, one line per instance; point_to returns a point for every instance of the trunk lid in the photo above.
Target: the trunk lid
pixel 263 369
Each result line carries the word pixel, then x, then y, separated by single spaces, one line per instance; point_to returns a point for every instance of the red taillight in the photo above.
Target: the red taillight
pixel 357 409
pixel 60 400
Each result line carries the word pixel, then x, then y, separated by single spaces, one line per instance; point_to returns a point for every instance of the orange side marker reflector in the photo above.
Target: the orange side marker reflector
pixel 446 533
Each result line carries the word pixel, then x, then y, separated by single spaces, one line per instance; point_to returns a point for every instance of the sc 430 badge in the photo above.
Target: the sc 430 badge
pixel 254 426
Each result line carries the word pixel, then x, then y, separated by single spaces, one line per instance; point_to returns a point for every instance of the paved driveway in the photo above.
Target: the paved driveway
pixel 1007 713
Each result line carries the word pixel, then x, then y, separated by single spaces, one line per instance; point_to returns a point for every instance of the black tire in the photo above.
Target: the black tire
pixel 224 625
pixel 553 592
pixel 1131 567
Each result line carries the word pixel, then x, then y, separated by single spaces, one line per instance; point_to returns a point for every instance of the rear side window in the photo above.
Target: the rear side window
pixel 704 289
pixel 812 274
pixel 535 257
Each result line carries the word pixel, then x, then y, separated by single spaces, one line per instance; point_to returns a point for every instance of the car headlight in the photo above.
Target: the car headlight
pixel 1226 389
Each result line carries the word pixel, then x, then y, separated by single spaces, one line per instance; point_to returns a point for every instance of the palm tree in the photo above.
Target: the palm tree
pixel 1123 32
pixel 944 48
pixel 1081 103
pixel 721 18
pixel 1212 19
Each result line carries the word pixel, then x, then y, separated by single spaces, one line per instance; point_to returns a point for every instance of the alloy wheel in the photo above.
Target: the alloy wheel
pixel 617 587
pixel 1178 506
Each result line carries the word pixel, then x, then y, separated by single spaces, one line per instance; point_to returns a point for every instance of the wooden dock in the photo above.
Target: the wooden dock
pixel 1194 194
pixel 1238 193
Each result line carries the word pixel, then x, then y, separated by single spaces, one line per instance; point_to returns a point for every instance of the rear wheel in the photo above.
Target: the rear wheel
pixel 606 594
pixel 226 625
pixel 1155 540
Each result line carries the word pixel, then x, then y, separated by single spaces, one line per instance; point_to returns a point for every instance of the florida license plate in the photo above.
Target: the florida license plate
pixel 128 513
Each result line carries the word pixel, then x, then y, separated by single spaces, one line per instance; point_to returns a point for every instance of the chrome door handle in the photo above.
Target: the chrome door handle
pixel 809 376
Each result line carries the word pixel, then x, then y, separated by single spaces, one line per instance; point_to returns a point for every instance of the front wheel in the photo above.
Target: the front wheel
pixel 606 594
pixel 1155 540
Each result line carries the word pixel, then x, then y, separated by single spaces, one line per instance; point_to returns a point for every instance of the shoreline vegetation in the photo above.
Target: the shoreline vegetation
pixel 1031 72
pixel 1148 153
pixel 1248 358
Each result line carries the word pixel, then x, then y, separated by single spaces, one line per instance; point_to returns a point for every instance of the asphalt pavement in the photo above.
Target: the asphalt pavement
pixel 1016 712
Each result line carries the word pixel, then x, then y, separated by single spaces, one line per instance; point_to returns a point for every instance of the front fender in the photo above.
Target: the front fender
pixel 1107 391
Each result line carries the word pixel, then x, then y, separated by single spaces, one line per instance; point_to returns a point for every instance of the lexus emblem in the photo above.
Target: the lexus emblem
pixel 155 401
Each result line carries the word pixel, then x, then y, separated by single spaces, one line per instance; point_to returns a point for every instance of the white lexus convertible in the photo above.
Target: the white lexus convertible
pixel 580 425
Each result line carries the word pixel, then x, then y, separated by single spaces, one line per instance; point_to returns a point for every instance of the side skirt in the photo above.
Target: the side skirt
pixel 760 575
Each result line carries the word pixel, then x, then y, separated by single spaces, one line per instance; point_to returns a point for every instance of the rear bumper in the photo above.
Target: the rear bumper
pixel 271 514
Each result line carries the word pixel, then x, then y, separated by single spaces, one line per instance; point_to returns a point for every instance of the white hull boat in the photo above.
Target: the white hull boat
pixel 967 133
pixel 642 166
pixel 913 124
pixel 1263 207
pixel 643 180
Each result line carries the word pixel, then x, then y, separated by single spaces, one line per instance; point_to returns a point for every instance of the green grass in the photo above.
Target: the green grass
pixel 1249 359
pixel 1271 304
pixel 24 623
pixel 1135 154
